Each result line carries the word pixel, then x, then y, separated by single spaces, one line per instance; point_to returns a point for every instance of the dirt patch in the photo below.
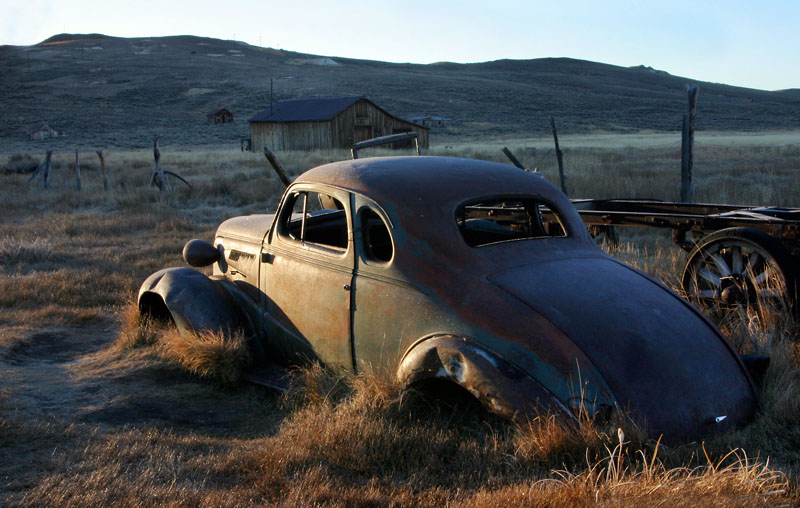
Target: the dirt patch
pixel 50 347
pixel 145 410
pixel 77 376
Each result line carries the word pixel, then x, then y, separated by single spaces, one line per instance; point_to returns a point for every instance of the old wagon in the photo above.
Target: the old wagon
pixel 738 255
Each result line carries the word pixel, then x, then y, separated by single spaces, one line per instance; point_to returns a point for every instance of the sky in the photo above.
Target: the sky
pixel 736 42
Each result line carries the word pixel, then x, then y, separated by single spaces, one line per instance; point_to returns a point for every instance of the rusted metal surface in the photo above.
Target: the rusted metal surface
pixel 497 383
pixel 194 301
pixel 541 323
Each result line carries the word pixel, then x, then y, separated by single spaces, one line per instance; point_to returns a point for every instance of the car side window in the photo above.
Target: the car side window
pixel 314 218
pixel 376 237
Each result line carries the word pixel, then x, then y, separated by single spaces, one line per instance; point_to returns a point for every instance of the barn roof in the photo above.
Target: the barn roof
pixel 306 110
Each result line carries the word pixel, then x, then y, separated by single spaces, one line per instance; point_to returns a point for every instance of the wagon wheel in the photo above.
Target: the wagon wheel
pixel 741 267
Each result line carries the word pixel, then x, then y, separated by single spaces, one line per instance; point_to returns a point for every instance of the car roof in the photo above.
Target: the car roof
pixel 427 180
pixel 422 195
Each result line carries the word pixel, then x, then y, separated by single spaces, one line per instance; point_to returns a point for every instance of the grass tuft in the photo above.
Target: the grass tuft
pixel 20 163
pixel 212 355
pixel 32 250
pixel 137 330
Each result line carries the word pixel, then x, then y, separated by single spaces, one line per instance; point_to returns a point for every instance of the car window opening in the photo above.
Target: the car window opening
pixel 377 240
pixel 502 220
pixel 316 218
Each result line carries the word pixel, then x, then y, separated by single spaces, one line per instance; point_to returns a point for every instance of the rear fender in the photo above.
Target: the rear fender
pixel 193 301
pixel 500 386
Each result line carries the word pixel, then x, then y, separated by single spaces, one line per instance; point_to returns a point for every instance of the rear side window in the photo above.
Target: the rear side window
pixel 502 220
pixel 377 239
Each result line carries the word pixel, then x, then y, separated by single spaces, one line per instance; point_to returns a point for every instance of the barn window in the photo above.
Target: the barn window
pixel 316 219
pixel 507 219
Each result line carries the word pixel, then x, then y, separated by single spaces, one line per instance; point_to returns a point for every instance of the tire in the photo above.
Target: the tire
pixel 741 267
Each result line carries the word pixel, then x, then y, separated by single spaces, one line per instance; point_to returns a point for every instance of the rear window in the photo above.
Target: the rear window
pixel 508 219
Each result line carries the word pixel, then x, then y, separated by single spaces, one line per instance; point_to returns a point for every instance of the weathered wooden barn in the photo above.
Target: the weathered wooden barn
pixel 220 116
pixel 327 122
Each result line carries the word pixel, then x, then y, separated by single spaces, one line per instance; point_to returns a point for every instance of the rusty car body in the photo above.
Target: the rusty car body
pixel 441 270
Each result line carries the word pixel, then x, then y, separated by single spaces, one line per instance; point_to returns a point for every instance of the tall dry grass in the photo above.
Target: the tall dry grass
pixel 211 355
pixel 131 429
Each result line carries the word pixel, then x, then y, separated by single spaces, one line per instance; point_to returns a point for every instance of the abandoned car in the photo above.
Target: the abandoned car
pixel 445 270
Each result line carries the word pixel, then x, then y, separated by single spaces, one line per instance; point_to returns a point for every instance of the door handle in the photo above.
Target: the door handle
pixel 346 287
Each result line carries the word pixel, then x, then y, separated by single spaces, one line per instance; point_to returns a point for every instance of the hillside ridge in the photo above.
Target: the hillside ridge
pixel 112 91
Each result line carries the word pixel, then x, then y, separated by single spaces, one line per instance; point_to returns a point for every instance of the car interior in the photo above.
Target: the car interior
pixel 498 220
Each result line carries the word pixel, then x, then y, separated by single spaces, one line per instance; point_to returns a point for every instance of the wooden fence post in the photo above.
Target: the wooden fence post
pixel 559 157
pixel 276 165
pixel 103 169
pixel 77 171
pixel 157 156
pixel 512 158
pixel 687 144
pixel 158 177
pixel 43 168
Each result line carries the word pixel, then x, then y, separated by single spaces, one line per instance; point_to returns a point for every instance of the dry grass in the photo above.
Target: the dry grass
pixel 137 329
pixel 215 356
pixel 96 407
pixel 34 250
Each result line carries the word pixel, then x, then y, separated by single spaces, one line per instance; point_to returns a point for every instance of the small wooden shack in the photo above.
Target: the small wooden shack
pixel 220 116
pixel 44 132
pixel 431 121
pixel 326 122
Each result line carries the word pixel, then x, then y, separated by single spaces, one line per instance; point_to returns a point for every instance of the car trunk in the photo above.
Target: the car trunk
pixel 659 356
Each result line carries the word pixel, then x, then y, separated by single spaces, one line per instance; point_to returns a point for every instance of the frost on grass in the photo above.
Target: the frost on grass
pixel 29 250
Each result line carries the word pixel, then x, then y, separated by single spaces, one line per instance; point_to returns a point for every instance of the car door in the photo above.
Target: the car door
pixel 307 273
pixel 390 312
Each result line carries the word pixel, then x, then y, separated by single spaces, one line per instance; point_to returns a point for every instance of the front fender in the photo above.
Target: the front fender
pixel 499 385
pixel 194 301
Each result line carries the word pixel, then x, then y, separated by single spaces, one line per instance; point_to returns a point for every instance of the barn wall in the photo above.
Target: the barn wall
pixel 290 135
pixel 363 120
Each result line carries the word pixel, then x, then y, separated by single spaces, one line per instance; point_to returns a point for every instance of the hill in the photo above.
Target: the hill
pixel 116 92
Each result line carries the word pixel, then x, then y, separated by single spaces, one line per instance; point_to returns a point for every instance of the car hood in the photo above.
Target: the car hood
pixel 250 228
pixel 663 361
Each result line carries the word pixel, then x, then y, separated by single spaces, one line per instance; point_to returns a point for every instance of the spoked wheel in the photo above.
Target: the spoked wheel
pixel 741 267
